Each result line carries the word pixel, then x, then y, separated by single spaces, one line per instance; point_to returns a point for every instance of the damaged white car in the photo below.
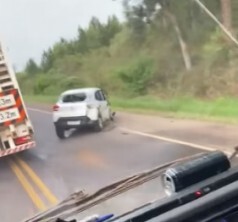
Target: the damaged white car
pixel 81 107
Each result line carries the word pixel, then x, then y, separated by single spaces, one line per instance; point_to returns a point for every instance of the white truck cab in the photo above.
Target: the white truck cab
pixel 80 107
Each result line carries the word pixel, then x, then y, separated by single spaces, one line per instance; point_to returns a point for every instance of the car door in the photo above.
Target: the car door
pixel 102 104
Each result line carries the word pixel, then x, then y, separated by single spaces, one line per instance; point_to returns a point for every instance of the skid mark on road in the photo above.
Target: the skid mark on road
pixel 91 159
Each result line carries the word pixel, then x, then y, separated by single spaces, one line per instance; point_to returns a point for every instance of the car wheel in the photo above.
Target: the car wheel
pixel 60 132
pixel 99 124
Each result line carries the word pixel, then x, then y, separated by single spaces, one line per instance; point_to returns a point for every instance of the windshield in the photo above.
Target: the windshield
pixel 92 92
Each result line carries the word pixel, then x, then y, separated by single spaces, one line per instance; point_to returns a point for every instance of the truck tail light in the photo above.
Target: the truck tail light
pixel 56 108
pixel 22 140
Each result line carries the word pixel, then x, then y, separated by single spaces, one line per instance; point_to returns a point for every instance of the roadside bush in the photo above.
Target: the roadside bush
pixel 26 84
pixel 43 82
pixel 70 83
pixel 138 76
pixel 53 85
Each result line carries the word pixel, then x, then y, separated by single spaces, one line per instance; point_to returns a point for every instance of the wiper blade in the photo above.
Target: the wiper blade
pixel 80 201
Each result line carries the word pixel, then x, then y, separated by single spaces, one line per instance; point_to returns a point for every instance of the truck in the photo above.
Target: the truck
pixel 16 130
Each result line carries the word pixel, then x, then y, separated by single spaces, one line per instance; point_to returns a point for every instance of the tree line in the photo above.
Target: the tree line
pixel 164 48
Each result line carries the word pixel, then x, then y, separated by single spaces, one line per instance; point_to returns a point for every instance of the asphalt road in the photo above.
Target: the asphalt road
pixel 36 179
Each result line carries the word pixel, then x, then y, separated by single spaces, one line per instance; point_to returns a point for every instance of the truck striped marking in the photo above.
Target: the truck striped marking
pixel 18 149
pixel 18 105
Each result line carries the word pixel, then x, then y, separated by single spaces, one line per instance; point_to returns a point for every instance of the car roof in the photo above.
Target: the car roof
pixel 81 90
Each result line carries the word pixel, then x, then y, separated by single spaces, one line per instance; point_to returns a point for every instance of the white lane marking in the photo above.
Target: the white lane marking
pixel 172 140
pixel 39 110
pixel 193 145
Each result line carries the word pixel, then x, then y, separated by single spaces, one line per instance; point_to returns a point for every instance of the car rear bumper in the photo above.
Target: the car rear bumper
pixel 74 122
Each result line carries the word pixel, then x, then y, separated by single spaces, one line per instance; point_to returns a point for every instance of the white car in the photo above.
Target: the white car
pixel 81 107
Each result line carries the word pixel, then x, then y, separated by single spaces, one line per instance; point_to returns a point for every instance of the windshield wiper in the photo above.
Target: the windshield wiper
pixel 80 201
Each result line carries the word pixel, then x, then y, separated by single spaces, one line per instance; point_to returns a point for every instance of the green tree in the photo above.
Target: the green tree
pixel 136 15
pixel 47 60
pixel 31 67
pixel 81 44
pixel 110 29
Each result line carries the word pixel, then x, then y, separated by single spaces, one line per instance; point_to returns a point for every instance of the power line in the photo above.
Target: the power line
pixel 226 31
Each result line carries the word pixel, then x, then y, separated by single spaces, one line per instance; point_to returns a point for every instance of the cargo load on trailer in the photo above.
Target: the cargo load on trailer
pixel 16 131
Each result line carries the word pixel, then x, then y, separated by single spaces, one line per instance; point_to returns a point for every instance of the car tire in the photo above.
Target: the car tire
pixel 99 124
pixel 60 132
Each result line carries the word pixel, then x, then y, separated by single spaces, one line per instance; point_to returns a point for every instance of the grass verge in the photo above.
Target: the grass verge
pixel 223 109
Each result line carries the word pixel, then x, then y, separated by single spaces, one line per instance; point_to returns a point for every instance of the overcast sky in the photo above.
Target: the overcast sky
pixel 30 26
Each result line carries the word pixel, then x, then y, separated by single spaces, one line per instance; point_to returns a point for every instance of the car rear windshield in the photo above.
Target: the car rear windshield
pixel 74 98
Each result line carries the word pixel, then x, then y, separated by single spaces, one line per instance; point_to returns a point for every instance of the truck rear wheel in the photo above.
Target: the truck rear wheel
pixel 60 132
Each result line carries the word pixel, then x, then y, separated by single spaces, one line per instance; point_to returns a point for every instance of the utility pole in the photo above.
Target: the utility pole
pixel 226 14
pixel 213 17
